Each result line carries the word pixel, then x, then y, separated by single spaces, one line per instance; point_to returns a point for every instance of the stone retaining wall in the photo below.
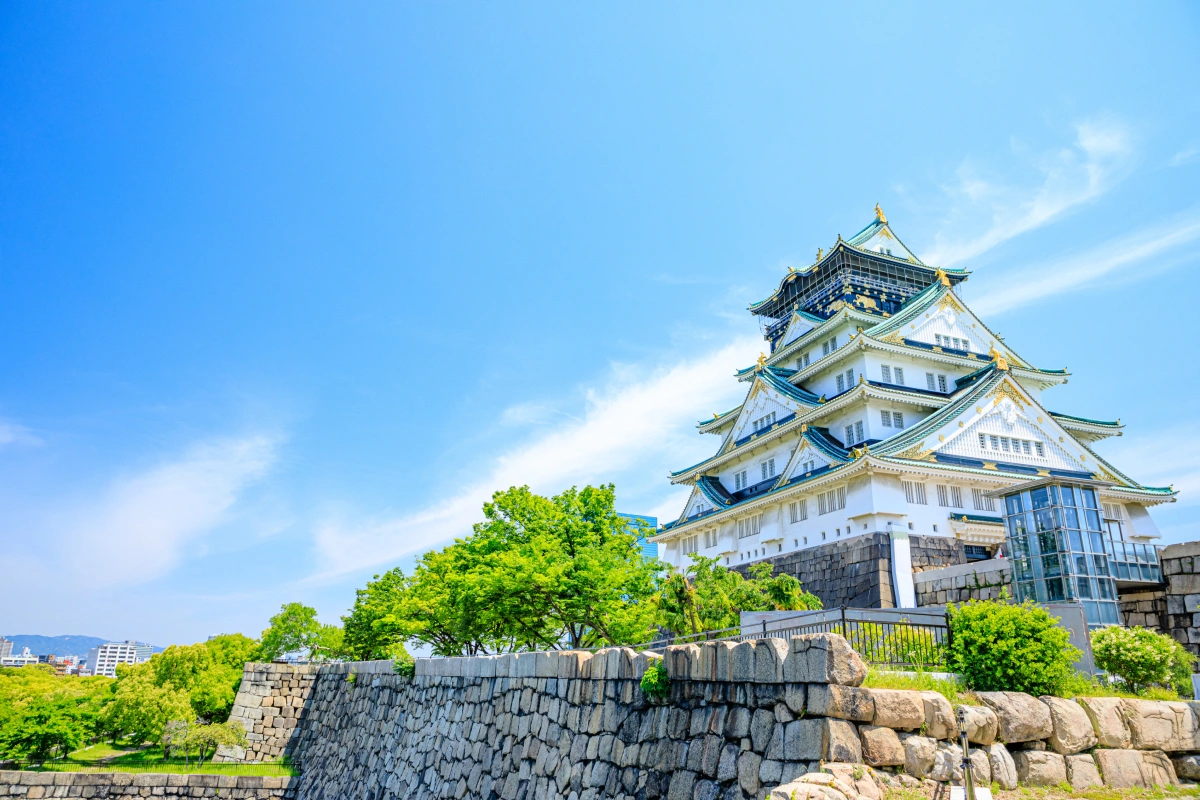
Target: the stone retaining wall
pixel 1181 570
pixel 125 784
pixel 743 720
pixel 853 572
pixel 980 580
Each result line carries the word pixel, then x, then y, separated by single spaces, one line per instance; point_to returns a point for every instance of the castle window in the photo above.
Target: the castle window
pixel 768 469
pixel 1038 447
pixel 886 372
pixel 849 379
pixel 749 526
pixel 691 544
pixel 764 422
pixel 710 539
pixel 798 511
pixel 886 418
pixel 833 500
pixel 949 496
pixel 739 480
pixel 1025 447
pixel 930 381
pixel 841 383
pixel 897 419
pixel 899 372
pixel 806 359
pixel 981 501
pixel 915 493
pixel 942 384
pixel 858 431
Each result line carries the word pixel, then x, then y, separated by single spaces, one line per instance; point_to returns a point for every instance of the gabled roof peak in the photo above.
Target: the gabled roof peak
pixel 878 237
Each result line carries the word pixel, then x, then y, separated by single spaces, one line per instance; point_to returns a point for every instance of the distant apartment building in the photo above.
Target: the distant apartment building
pixel 5 647
pixel 103 660
pixel 21 660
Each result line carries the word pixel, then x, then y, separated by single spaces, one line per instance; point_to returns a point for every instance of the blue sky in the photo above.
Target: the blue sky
pixel 287 290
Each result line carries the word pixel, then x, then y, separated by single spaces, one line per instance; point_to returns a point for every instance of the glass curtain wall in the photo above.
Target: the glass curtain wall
pixel 1060 549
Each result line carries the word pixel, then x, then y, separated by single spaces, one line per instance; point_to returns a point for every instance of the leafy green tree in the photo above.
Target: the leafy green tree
pixel 1001 647
pixel 141 706
pixel 295 629
pixel 207 738
pixel 43 727
pixel 1140 657
pixel 371 631
pixel 24 690
pixel 562 568
pixel 707 596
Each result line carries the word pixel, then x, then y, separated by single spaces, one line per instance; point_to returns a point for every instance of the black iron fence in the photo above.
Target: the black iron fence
pixel 905 639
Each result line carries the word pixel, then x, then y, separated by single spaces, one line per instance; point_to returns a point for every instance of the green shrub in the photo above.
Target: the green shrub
pixel 1139 657
pixel 1001 647
pixel 655 683
pixel 405 667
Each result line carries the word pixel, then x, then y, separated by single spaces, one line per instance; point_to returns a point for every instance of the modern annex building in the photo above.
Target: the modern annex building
pixel 871 435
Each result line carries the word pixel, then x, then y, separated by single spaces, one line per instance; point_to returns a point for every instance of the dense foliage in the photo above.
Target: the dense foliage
pixel 43 715
pixel 537 573
pixel 1140 658
pixel 296 631
pixel 999 646
pixel 709 597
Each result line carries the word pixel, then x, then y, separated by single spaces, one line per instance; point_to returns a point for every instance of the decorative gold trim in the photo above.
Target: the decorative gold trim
pixel 1043 473
pixel 893 338
pixel 917 452
pixel 1005 389
pixel 943 277
pixel 949 301
pixel 879 214
pixel 990 465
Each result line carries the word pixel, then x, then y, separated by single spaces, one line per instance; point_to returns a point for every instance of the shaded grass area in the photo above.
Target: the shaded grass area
pixel 106 757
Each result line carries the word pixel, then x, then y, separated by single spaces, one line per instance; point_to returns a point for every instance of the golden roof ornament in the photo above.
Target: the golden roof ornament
pixel 1001 362
pixel 820 252
pixel 943 277
pixel 879 214
pixel 762 361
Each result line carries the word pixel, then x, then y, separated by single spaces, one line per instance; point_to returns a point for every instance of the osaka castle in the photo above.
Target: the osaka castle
pixel 877 427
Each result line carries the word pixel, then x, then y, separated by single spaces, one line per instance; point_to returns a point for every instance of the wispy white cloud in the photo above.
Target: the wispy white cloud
pixel 638 425
pixel 985 213
pixel 1185 156
pixel 1040 281
pixel 12 435
pixel 141 525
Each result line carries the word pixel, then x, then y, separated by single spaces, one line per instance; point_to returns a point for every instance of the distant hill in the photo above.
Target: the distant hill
pixel 58 645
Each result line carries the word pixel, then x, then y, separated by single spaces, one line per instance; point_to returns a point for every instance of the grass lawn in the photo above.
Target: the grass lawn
pixel 105 757
pixel 1065 792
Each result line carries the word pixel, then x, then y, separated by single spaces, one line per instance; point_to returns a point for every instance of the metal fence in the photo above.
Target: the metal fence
pixel 909 639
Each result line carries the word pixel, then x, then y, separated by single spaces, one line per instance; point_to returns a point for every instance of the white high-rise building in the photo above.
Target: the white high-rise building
pixel 887 411
pixel 103 660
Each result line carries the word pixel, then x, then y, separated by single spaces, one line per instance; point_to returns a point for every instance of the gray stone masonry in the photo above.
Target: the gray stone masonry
pixel 1181 570
pixel 980 580
pixel 741 720
pixel 1145 609
pixel 853 572
pixel 126 784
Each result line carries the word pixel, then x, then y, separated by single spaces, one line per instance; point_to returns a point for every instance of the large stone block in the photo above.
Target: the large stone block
pixel 1107 715
pixel 769 655
pixel 1004 769
pixel 982 724
pixel 823 658
pixel 741 667
pixel 881 746
pixel 842 702
pixel 940 722
pixel 1187 767
pixel 947 763
pixel 1124 769
pixel 920 753
pixel 1022 717
pixel 1071 729
pixel 1040 767
pixel 1082 772
pixel 817 738
pixel 1157 725
pixel 894 708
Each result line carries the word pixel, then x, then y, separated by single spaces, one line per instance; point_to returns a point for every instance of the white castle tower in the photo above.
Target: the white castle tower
pixel 872 433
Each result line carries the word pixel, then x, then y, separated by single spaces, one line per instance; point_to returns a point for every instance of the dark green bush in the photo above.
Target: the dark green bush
pixel 405 667
pixel 655 683
pixel 998 646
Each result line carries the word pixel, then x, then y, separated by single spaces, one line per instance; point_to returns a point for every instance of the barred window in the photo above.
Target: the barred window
pixel 798 511
pixel 886 372
pixel 897 419
pixel 833 500
pixel 942 384
pixel 841 383
pixel 749 526
pixel 899 376
pixel 849 435
pixel 858 431
pixel 915 493
pixel 930 381
pixel 981 501
pixel 768 469
pixel 886 418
